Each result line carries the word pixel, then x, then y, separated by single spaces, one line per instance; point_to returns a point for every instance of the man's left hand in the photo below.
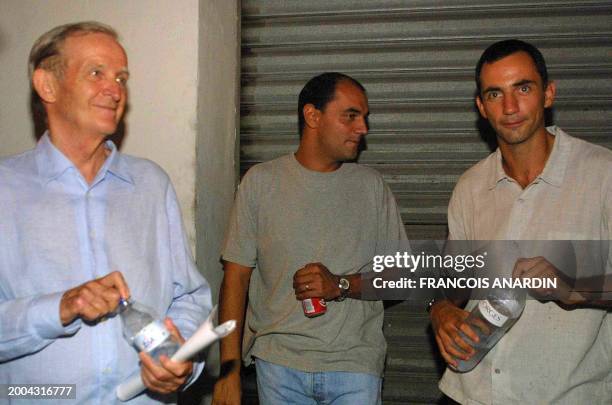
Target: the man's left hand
pixel 166 376
pixel 539 267
pixel 315 281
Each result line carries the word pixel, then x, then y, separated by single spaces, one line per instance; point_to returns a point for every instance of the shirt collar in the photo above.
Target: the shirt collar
pixel 498 174
pixel 554 170
pixel 117 164
pixel 52 163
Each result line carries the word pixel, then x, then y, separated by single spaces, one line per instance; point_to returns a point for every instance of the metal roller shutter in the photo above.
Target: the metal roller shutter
pixel 416 59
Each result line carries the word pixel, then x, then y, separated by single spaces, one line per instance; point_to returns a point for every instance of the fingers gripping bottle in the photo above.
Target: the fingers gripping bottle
pixel 144 331
pixel 491 319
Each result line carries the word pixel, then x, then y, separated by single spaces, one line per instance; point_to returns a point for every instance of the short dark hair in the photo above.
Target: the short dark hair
pixel 501 49
pixel 319 91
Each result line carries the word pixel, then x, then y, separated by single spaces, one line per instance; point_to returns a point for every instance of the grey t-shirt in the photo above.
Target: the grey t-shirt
pixel 286 216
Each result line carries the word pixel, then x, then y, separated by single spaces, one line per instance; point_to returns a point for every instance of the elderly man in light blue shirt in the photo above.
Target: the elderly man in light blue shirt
pixel 82 226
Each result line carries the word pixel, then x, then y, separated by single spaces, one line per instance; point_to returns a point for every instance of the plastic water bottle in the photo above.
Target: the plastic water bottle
pixel 490 320
pixel 144 331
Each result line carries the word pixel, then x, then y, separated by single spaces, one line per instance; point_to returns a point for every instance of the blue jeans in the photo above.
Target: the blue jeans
pixel 283 385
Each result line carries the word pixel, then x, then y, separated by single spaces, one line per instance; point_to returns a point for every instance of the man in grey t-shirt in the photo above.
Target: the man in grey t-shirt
pixel 305 226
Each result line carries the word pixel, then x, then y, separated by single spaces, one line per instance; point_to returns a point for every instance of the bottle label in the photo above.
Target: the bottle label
pixel 314 307
pixel 151 336
pixel 491 314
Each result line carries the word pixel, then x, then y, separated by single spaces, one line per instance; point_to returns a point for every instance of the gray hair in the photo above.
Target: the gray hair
pixel 46 51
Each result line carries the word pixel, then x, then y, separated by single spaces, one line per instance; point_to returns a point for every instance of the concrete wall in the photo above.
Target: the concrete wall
pixel 217 142
pixel 217 163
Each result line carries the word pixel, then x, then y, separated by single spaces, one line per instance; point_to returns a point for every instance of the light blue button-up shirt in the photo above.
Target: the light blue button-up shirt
pixel 57 232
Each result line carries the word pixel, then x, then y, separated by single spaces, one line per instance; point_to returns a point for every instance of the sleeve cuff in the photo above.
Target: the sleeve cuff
pixel 44 317
pixel 234 258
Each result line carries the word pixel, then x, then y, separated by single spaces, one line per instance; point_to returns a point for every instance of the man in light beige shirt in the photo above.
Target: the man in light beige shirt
pixel 540 184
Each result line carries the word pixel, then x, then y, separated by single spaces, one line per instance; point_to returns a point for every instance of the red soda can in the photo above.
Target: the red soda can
pixel 314 307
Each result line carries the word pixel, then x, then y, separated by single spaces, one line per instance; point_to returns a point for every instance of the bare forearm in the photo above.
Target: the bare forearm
pixel 593 292
pixel 232 305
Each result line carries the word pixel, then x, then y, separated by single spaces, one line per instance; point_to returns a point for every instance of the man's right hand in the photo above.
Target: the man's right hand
pixel 94 299
pixel 447 320
pixel 228 390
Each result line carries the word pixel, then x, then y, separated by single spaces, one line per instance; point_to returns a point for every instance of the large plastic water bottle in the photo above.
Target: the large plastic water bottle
pixel 491 319
pixel 144 331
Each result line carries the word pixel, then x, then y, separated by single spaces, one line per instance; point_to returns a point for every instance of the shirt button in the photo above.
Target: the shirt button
pixel 497 371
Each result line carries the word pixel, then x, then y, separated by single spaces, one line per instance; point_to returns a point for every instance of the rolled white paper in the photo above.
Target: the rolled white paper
pixel 202 338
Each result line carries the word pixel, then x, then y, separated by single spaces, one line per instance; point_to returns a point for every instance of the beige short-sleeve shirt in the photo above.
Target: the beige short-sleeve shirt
pixel 551 355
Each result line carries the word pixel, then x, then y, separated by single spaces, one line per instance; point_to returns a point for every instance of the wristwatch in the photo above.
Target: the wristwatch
pixel 344 285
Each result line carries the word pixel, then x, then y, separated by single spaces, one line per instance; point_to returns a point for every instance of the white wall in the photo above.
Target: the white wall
pixel 217 168
pixel 161 40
